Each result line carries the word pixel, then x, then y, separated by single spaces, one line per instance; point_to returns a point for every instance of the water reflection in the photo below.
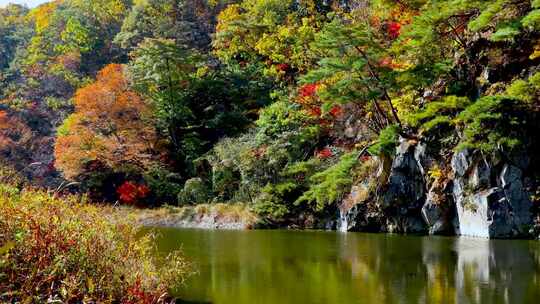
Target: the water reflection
pixel 319 267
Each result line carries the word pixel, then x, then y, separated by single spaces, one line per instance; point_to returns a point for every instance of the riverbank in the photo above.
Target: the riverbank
pixel 205 216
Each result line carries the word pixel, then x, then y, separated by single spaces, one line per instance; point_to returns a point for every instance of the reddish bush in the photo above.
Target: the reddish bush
pixel 325 153
pixel 131 193
pixel 283 67
pixel 394 29
pixel 336 111
pixel 308 90
pixel 315 111
pixel 61 251
pixel 136 294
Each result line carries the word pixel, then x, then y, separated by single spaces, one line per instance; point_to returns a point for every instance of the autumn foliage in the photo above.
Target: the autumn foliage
pixel 58 250
pixel 325 153
pixel 131 193
pixel 308 90
pixel 14 134
pixel 239 100
pixel 111 125
pixel 394 29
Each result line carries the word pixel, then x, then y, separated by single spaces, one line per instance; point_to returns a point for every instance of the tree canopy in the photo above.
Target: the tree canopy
pixel 260 101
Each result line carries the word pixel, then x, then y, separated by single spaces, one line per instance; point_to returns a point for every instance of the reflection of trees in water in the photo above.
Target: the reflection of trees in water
pixel 450 270
pixel 293 267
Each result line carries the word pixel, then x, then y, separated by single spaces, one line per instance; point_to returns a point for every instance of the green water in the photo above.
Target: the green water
pixel 283 267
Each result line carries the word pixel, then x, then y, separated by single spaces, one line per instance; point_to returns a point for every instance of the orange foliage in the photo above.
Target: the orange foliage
pixel 111 125
pixel 3 119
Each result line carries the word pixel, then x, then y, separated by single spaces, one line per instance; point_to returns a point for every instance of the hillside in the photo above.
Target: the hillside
pixel 409 116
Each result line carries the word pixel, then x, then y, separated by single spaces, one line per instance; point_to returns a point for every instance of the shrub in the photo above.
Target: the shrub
pixel 165 184
pixel 532 20
pixel 9 175
pixel 493 122
pixel 64 251
pixel 230 161
pixel 330 185
pixel 386 142
pixel 243 166
pixel 437 113
pixel 131 193
pixel 525 90
pixel 487 15
pixel 271 203
pixel 195 192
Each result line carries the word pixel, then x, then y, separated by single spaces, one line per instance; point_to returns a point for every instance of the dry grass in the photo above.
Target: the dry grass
pixel 220 214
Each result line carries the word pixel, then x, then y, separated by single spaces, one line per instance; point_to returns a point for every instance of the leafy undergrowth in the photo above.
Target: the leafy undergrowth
pixel 64 251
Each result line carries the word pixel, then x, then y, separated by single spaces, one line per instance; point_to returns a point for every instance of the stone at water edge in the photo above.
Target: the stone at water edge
pixel 405 193
pixel 485 214
pixel 512 183
pixel 490 202
pixel 439 211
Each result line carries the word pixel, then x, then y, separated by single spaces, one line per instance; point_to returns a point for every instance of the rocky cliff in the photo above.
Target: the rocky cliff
pixel 479 195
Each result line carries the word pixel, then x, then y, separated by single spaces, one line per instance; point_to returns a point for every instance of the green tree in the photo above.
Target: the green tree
pixel 187 22
pixel 352 70
pixel 195 104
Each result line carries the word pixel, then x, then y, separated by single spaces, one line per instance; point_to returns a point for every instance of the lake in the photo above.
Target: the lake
pixel 286 267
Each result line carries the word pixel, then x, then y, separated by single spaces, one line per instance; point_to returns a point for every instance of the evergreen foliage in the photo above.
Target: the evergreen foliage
pixel 329 186
pixel 387 141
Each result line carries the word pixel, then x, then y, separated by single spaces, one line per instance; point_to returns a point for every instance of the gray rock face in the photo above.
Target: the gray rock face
pixel 461 163
pixel 511 179
pixel 440 215
pixel 486 198
pixel 405 193
pixel 409 223
pixel 485 214
pixel 406 185
pixel 433 215
pixel 491 201
pixel 354 214
pixel 398 204
pixel 348 219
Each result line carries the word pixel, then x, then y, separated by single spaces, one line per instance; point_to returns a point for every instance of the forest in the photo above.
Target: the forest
pixel 366 115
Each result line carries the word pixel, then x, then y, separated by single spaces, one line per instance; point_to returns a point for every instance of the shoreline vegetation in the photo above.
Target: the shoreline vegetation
pixel 203 216
pixel 62 250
